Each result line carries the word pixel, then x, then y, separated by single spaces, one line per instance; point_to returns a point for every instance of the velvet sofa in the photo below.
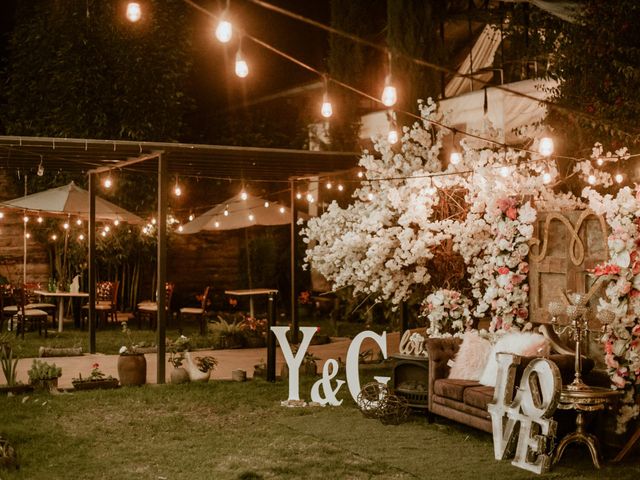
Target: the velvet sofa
pixel 466 401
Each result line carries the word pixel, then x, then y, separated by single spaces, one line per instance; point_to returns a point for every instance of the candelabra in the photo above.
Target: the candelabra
pixel 578 313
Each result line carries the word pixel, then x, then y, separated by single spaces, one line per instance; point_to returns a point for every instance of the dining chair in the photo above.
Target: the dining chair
pixel 106 303
pixel 198 312
pixel 24 314
pixel 6 300
pixel 148 310
pixel 32 301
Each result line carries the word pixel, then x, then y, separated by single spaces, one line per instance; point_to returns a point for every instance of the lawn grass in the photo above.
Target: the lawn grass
pixel 226 430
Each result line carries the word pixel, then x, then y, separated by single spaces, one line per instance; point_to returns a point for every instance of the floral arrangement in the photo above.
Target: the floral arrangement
pixel 621 337
pixel 176 350
pixel 254 326
pixel 130 348
pixel 95 375
pixel 448 313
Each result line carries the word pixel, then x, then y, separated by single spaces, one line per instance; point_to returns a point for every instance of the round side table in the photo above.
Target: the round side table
pixel 583 400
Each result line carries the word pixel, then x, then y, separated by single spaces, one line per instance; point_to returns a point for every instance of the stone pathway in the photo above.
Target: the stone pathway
pixel 228 360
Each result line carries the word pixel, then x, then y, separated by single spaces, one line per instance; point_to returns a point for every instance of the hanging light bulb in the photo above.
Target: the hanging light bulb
pixel 282 210
pixel 389 95
pixel 224 30
pixel 242 68
pixel 600 161
pixel 177 191
pixel 107 228
pixel 329 185
pixel 392 136
pixel 25 219
pixel 40 219
pixel 243 195
pixel 180 228
pixel 340 187
pixel 326 110
pixel 226 211
pixel 251 217
pixel 54 237
pixel 116 222
pixel 591 179
pixel 619 178
pixel 546 178
pixel 153 221
pixel 81 237
pixel 40 171
pixel 65 225
pixel 78 222
pixel 298 195
pixel 191 217
pixel 1 215
pixel 134 12
pixel 360 174
pixel 455 158
pixel 107 182
pixel 545 147
pixel 28 235
pixel 266 204
pixel 103 233
pixel 309 198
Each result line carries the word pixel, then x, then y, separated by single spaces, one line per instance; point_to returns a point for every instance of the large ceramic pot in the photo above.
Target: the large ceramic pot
pixel 179 375
pixel 132 369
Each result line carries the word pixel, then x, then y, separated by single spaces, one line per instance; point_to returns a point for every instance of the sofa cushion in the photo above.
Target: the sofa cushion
pixel 472 357
pixel 478 397
pixel 459 406
pixel 452 388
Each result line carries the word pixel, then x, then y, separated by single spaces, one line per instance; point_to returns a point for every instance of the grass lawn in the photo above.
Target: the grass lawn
pixel 226 430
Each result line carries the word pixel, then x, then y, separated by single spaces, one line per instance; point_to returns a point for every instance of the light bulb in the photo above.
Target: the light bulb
pixel 25 219
pixel 134 12
pixel 153 221
pixel 619 177
pixel 191 217
pixel 251 217
pixel 392 137
pixel 282 210
pixel 242 69
pixel 217 224
pixel 326 110
pixel 40 219
pixel 81 237
pixel 455 158
pixel 340 187
pixel 600 161
pixel 78 222
pixel 1 214
pixel 309 198
pixel 546 178
pixel 224 30
pixel 54 237
pixel 65 225
pixel 107 228
pixel 360 174
pixel 116 222
pixel 266 204
pixel 177 191
pixel 591 179
pixel 226 212
pixel 243 195
pixel 28 235
pixel 107 182
pixel 180 228
pixel 40 171
pixel 389 95
pixel 370 196
pixel 329 185
pixel 545 147
pixel 298 195
pixel 103 233
pixel 504 172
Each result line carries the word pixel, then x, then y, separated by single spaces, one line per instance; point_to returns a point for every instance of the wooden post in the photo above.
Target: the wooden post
pixel 294 296
pixel 92 263
pixel 404 318
pixel 161 295
pixel 271 338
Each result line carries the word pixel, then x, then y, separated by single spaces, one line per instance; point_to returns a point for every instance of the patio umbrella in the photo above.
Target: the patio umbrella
pixel 70 200
pixel 236 213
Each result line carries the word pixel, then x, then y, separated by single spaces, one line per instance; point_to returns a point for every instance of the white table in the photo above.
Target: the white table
pixel 60 296
pixel 251 293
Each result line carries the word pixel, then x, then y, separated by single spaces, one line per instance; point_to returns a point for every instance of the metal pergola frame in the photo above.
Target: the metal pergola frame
pixel 93 157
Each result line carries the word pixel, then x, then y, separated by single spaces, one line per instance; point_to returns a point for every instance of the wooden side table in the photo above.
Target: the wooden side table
pixel 411 379
pixel 584 400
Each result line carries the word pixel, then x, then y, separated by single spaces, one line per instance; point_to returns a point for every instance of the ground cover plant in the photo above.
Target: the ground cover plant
pixel 227 430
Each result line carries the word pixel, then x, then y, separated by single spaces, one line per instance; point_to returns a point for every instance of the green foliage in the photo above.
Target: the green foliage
pixel 98 75
pixel 8 362
pixel 206 363
pixel 43 371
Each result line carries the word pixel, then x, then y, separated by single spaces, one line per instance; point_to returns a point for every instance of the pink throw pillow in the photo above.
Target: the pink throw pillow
pixel 470 361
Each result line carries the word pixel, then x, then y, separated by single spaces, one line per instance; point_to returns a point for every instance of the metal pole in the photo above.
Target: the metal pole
pixel 161 295
pixel 271 338
pixel 92 263
pixel 404 318
pixel 294 296
pixel 24 241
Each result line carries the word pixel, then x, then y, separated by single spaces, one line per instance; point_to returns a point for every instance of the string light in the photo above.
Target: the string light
pixel 153 221
pixel 392 136
pixel 298 195
pixel 504 172
pixel 25 219
pixel 326 110
pixel 244 195
pixel 134 12
pixel 619 178
pixel 107 228
pixel 360 174
pixel 591 179
pixel 81 237
pixel 545 147
pixel 116 222
pixel 27 235
pixel 546 178
pixel 282 210
pixel 224 30
pixel 389 95
pixel 242 69
pixel 370 196
pixel 180 228
pixel 65 225
pixel 266 204
pixel 340 187
pixel 1 215
pixel 226 211
pixel 78 222
pixel 329 185
pixel 103 233
pixel 191 217
pixel 600 161
pixel 40 219
pixel 217 224
pixel 177 191
pixel 309 198
pixel 107 182
pixel 455 158
pixel 251 217
pixel 54 237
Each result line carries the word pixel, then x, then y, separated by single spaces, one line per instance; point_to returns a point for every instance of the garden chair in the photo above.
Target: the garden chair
pixel 198 312
pixel 25 315
pixel 149 310
pixel 106 303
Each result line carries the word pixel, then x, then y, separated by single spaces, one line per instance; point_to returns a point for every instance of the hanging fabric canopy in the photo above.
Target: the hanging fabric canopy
pixel 240 214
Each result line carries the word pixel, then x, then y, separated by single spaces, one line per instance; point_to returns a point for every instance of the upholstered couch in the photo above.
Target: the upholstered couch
pixel 466 400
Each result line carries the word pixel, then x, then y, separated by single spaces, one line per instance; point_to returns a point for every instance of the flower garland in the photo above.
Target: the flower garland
pixel 621 337
pixel 448 312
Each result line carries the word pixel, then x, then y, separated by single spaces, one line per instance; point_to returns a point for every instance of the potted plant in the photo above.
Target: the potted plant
pixel 199 368
pixel 176 357
pixel 226 334
pixel 9 365
pixel 95 380
pixel 254 331
pixel 44 376
pixel 260 369
pixel 132 366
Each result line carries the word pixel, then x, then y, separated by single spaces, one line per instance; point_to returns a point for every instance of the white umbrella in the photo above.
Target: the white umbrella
pixel 239 214
pixel 69 200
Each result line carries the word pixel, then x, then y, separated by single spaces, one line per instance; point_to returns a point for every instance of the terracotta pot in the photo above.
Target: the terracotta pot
pixel 132 369
pixel 179 375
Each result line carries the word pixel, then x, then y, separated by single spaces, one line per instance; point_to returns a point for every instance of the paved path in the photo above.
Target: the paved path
pixel 228 360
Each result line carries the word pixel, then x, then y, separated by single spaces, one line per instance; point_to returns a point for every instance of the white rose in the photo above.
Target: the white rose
pixel 123 349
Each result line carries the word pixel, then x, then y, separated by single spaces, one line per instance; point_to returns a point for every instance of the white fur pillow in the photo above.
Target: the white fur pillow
pixel 472 357
pixel 521 343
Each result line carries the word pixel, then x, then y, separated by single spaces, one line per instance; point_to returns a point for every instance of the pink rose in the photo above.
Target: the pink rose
pixel 636 330
pixel 618 381
pixel 525 288
pixel 523 312
pixel 611 361
pixel 509 287
pixel 625 288
pixel 503 270
pixel 608 348
pixel 523 267
pixel 512 213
